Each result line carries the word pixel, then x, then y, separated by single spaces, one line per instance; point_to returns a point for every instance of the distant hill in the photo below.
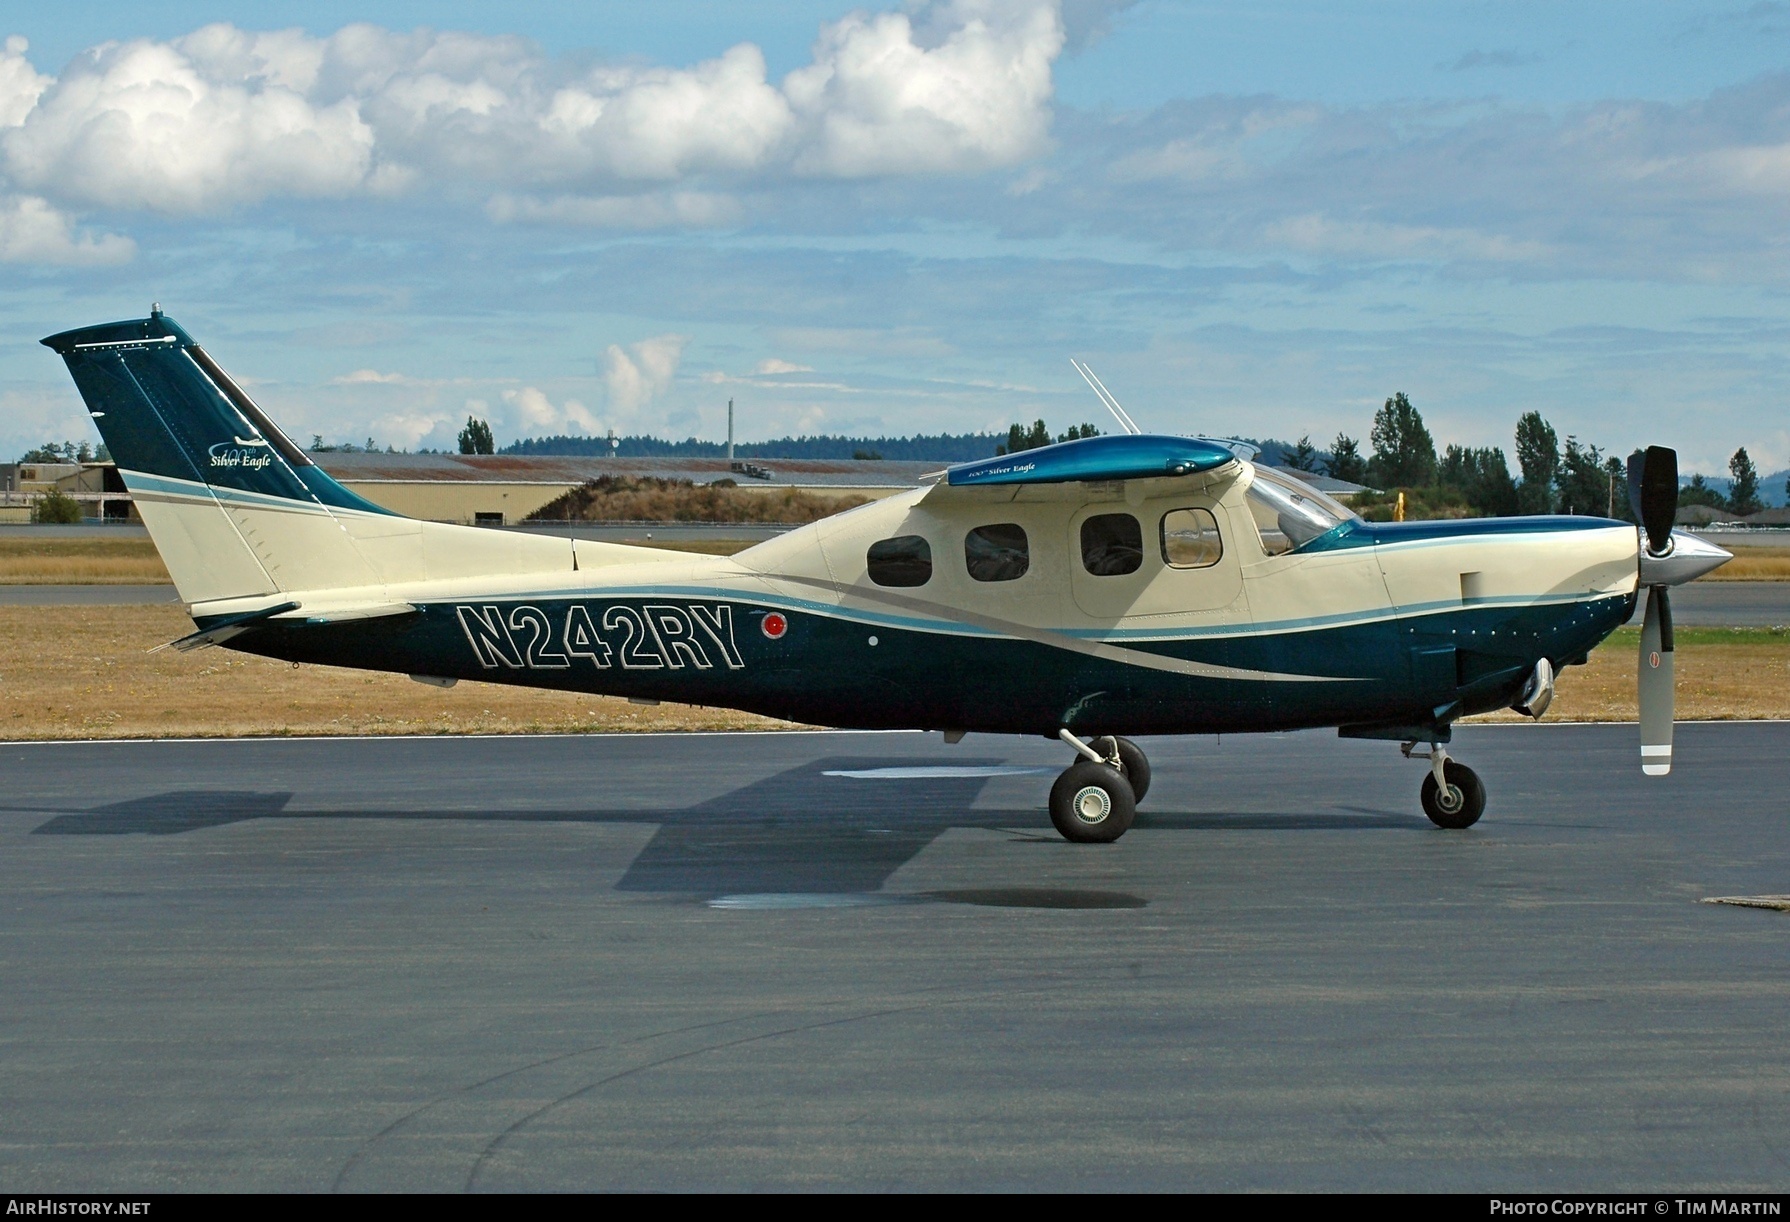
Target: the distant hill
pixel 1771 487
pixel 941 447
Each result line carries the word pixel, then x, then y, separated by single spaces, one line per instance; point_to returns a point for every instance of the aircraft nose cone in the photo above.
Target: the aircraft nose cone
pixel 1688 559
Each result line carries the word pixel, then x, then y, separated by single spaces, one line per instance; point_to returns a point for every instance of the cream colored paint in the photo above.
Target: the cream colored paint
pixel 345 562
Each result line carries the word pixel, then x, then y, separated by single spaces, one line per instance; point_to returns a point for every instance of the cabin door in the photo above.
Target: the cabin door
pixel 1163 559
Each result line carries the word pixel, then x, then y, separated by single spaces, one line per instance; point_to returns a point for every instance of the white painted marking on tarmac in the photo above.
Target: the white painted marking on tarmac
pixel 935 772
pixel 777 901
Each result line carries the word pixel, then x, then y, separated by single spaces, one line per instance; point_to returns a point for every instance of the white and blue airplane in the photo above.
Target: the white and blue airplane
pixel 1089 591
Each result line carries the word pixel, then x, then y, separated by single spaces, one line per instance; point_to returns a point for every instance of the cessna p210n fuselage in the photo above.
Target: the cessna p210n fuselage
pixel 1111 586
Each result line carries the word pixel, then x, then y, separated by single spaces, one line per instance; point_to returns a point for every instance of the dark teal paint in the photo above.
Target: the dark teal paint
pixel 160 414
pixel 823 671
pixel 1360 533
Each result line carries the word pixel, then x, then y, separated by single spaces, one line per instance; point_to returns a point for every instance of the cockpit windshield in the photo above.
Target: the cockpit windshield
pixel 1289 512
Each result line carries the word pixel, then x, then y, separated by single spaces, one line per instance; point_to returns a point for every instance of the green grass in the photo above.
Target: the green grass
pixel 1630 636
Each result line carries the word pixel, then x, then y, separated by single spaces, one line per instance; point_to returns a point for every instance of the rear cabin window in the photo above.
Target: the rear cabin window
pixel 1112 544
pixel 1190 539
pixel 997 553
pixel 905 560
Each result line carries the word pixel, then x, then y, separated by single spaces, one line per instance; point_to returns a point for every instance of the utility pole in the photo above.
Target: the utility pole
pixel 730 431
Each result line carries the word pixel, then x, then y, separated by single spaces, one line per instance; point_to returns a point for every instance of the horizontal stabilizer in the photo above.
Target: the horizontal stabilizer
pixel 344 614
pixel 223 629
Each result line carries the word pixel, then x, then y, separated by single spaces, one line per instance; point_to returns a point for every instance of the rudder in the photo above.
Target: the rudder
pixel 234 506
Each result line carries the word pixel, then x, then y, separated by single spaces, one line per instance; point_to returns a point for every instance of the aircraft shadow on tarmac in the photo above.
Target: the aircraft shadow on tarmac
pixel 801 831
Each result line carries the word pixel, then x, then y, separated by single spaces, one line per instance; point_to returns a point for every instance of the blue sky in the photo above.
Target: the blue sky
pixel 1255 219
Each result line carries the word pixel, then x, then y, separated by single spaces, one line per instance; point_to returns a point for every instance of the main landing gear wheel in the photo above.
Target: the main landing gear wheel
pixel 1132 762
pixel 1460 804
pixel 1092 803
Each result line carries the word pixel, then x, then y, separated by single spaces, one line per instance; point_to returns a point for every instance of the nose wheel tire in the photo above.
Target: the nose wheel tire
pixel 1092 804
pixel 1461 804
pixel 1132 762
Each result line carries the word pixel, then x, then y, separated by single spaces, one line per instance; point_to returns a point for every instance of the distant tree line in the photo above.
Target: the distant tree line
pixel 1571 477
pixel 67 451
pixel 933 447
pixel 1022 437
pixel 320 446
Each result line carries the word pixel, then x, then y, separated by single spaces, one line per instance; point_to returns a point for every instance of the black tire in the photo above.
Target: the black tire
pixel 1132 762
pixel 1466 798
pixel 1092 804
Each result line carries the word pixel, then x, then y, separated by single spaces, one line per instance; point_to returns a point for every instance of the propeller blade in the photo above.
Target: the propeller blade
pixel 1654 688
pixel 1653 494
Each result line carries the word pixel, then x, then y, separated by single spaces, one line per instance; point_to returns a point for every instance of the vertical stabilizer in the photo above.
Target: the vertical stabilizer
pixel 235 508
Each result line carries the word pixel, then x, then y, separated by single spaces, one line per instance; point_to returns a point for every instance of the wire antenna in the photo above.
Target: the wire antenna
pixel 1106 397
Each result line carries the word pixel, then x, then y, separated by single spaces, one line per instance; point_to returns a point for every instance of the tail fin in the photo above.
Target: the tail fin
pixel 236 509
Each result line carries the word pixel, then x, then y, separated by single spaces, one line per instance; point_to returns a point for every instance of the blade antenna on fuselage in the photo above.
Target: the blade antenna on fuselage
pixel 1106 397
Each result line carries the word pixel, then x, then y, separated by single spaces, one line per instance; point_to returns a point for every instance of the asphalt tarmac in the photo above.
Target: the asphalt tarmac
pixel 85 596
pixel 767 962
pixel 1727 604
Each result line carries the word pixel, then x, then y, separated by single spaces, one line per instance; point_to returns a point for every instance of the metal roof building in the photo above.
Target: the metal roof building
pixel 502 489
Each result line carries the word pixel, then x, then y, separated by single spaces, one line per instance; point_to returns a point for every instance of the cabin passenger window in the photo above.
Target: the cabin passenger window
pixel 905 560
pixel 1190 539
pixel 997 553
pixel 1112 544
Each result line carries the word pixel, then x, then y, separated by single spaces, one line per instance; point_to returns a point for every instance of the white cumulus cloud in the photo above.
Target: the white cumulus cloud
pixel 31 231
pixel 533 414
pixel 224 117
pixel 963 85
pixel 209 121
pixel 20 84
pixel 640 373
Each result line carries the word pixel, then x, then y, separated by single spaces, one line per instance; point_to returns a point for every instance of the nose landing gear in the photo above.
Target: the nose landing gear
pixel 1096 798
pixel 1453 796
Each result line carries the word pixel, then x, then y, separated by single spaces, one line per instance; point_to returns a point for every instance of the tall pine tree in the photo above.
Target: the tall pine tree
pixel 1404 451
pixel 1346 462
pixel 1538 454
pixel 1743 495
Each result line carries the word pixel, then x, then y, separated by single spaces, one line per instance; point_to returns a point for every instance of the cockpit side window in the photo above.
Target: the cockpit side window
pixel 997 553
pixel 1112 544
pixel 1190 539
pixel 905 560
pixel 1288 513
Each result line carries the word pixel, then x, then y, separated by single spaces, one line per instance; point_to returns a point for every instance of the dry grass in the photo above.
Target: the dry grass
pixel 1755 564
pixel 1723 674
pixel 85 672
pixel 80 562
pixel 626 499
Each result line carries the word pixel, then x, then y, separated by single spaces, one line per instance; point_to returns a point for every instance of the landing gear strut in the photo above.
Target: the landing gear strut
pixel 1452 795
pixel 1096 798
